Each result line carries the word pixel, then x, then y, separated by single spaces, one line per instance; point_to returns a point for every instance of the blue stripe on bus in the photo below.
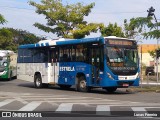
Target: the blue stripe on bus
pixel 37 45
pixel 34 45
pixel 42 44
pixel 27 46
pixel 47 44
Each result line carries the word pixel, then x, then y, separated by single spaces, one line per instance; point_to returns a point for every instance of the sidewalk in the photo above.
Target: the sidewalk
pixel 150 83
pixel 151 80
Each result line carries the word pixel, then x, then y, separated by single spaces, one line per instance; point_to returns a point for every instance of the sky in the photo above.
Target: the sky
pixel 21 15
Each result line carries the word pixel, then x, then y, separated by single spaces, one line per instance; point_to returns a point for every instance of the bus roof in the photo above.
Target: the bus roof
pixel 63 41
pixel 60 41
pixel 120 38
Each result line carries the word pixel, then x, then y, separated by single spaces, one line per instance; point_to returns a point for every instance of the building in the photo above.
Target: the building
pixel 143 50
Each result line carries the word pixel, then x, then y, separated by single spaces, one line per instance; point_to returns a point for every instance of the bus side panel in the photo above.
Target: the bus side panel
pixel 69 70
pixel 26 71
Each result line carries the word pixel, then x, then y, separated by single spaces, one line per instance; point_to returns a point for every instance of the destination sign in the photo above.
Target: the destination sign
pixel 116 64
pixel 120 42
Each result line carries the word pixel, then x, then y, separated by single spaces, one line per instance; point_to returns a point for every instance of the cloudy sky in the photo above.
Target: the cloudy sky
pixel 20 15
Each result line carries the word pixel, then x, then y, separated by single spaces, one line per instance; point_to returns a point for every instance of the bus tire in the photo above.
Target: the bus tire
pixel 81 86
pixel 38 81
pixel 111 89
pixel 65 86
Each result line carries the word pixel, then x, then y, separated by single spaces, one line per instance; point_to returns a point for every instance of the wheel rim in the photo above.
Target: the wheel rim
pixel 83 84
pixel 38 82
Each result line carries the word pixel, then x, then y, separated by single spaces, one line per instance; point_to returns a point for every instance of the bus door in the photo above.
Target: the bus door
pixel 54 69
pixel 95 64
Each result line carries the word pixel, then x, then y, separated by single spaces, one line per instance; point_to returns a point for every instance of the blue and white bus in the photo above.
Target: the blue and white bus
pixel 106 62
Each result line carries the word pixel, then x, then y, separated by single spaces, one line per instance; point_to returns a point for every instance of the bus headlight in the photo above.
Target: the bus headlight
pixel 110 76
pixel 138 75
pixel 3 73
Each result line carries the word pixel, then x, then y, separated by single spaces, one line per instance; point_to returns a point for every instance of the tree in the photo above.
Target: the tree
pixel 5 39
pixel 112 30
pixel 2 20
pixel 141 23
pixel 129 29
pixel 152 27
pixel 11 38
pixel 21 37
pixel 152 53
pixel 65 20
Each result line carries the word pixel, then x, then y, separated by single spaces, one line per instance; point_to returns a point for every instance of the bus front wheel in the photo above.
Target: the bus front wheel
pixel 111 89
pixel 81 86
pixel 38 81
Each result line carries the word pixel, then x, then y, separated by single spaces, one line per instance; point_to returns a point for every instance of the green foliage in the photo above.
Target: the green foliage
pixel 155 34
pixel 11 38
pixel 5 39
pixel 147 23
pixel 130 29
pixel 152 53
pixel 65 20
pixel 85 30
pixel 142 23
pixel 2 20
pixel 21 37
pixel 112 30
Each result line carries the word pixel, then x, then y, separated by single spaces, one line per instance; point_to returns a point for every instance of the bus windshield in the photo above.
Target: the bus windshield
pixel 120 58
pixel 3 60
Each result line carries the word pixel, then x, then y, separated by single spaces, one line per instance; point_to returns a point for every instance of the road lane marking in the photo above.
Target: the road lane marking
pixel 103 110
pixel 21 100
pixel 5 102
pixel 65 107
pixel 137 109
pixel 30 106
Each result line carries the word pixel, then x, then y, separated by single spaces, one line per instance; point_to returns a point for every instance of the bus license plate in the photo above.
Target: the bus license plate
pixel 125 85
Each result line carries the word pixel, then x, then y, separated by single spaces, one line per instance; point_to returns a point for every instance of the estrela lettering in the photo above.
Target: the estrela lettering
pixel 66 69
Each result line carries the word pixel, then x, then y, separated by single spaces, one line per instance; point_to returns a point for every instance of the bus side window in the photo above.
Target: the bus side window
pixel 65 57
pixel 79 55
pixel 73 54
pixel 54 56
pixel 20 55
pixel 65 54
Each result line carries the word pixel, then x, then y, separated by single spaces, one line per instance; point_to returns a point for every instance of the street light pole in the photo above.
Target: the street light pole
pixel 140 61
pixel 141 67
pixel 157 56
pixel 140 51
pixel 151 13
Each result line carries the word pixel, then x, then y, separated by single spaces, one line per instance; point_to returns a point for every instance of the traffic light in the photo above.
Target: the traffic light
pixel 158 53
pixel 150 11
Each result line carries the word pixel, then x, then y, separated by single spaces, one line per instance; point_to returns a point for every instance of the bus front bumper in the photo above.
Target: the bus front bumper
pixel 121 83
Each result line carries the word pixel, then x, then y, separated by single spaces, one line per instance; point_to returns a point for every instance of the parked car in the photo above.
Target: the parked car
pixel 150 71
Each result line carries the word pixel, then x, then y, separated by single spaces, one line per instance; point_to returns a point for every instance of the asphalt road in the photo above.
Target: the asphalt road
pixel 20 96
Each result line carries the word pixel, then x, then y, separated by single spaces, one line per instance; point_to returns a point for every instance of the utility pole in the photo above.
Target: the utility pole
pixel 150 14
